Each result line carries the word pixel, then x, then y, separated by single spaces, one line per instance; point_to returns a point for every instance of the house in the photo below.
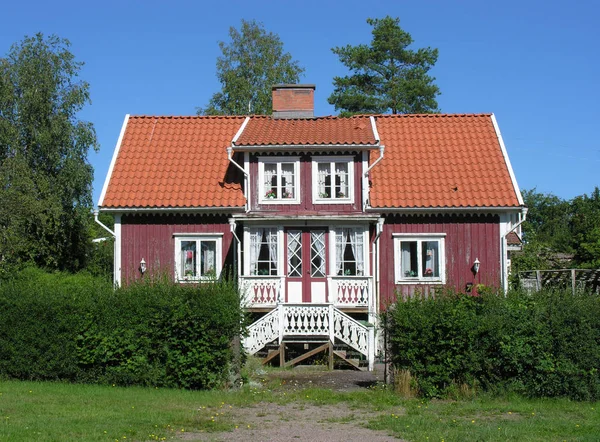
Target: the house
pixel 324 220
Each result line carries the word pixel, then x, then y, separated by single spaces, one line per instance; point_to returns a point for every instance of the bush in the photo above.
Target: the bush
pixel 541 345
pixel 77 328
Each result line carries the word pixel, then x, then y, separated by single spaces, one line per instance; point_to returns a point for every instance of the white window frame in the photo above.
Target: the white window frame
pixel 316 197
pixel 217 238
pixel 399 238
pixel 262 199
pixel 278 249
pixel 333 261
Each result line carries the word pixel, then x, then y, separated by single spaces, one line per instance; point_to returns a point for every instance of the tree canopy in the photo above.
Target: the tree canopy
pixel 45 177
pixel 386 76
pixel 252 62
pixel 560 233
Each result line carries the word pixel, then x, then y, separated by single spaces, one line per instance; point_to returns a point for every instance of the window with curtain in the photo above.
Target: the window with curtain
pixel 333 179
pixel 349 251
pixel 278 178
pixel 197 258
pixel 263 251
pixel 419 258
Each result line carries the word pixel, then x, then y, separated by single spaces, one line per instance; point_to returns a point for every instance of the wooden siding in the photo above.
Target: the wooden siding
pixel 306 206
pixel 151 237
pixel 467 237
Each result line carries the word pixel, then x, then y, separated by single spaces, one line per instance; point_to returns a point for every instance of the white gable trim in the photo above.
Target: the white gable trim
pixel 374 127
pixel 240 130
pixel 507 160
pixel 113 161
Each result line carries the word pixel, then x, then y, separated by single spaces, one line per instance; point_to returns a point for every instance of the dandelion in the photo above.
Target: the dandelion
pixel 473 421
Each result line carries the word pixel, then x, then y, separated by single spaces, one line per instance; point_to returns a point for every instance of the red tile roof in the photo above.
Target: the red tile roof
pixel 440 161
pixel 264 131
pixel 175 162
pixel 431 161
pixel 512 239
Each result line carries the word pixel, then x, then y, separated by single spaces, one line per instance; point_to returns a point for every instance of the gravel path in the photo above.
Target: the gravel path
pixel 293 422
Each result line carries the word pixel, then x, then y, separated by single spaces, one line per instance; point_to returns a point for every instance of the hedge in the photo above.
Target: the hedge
pixel 545 344
pixel 77 328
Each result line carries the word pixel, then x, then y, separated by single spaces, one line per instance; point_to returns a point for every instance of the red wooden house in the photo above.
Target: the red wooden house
pixel 324 220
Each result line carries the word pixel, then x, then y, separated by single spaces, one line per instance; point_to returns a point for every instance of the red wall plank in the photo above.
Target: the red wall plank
pixel 467 237
pixel 151 237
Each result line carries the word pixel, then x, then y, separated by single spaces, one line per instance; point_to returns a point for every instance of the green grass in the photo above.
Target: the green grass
pixel 56 411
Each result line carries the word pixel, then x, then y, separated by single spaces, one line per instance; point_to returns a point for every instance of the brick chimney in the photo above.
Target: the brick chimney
pixel 293 101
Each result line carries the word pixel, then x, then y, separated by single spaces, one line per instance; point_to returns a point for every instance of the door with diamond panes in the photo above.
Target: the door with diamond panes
pixel 306 265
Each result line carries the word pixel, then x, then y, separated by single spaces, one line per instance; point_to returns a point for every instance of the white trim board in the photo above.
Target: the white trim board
pixel 507 161
pixel 113 161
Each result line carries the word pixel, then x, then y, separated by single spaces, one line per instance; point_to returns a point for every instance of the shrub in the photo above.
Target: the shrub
pixel 77 328
pixel 545 344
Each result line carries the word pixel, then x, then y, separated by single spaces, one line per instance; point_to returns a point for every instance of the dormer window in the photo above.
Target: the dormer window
pixel 278 180
pixel 333 180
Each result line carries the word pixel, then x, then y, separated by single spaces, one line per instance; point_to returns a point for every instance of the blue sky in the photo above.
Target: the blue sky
pixel 534 64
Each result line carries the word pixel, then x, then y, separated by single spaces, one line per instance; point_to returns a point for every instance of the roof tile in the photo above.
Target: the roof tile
pixel 440 161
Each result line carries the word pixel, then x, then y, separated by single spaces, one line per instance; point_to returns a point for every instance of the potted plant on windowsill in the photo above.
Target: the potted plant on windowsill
pixel 287 194
pixel 323 195
pixel 271 194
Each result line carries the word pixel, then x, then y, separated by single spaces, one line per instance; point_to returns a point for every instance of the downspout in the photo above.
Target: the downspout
pixel 375 254
pixel 524 211
pixel 232 227
pixel 116 251
pixel 523 217
pixel 232 161
pixel 100 222
pixel 381 151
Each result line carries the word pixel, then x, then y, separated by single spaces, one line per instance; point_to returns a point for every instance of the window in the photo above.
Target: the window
pixel 333 179
pixel 263 251
pixel 278 180
pixel 197 257
pixel 349 251
pixel 419 258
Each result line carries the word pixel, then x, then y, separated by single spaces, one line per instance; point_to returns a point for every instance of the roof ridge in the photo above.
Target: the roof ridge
pixel 188 117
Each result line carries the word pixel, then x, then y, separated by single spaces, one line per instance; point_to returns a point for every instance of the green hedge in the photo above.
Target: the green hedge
pixel 541 345
pixel 77 328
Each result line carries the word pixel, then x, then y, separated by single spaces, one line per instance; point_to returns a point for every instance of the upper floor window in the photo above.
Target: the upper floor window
pixel 333 180
pixel 197 257
pixel 419 258
pixel 278 180
pixel 263 251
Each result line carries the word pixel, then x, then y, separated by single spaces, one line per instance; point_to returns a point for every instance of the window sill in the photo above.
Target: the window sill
pixel 334 201
pixel 279 201
pixel 425 281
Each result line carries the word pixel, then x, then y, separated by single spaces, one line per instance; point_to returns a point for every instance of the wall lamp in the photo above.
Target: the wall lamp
pixel 143 266
pixel 476 265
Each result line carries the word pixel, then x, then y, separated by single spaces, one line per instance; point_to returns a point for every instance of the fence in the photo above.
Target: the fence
pixel 575 279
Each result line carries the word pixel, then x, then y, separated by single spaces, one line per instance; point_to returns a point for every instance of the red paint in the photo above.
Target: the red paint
pixel 467 237
pixel 151 237
pixel 305 206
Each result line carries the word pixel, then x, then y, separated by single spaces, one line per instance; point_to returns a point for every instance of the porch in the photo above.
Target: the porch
pixel 323 323
pixel 351 293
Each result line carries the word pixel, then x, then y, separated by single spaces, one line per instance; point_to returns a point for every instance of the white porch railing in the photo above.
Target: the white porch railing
pixel 311 320
pixel 260 291
pixel 263 331
pixel 344 291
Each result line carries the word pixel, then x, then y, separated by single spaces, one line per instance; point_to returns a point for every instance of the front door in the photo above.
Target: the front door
pixel 306 265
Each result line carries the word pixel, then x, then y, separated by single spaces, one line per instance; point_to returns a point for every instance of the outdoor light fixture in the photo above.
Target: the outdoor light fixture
pixel 476 265
pixel 143 266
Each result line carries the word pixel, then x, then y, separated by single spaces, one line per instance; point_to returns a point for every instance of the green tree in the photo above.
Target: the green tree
pixel 586 229
pixel 386 76
pixel 45 177
pixel 252 62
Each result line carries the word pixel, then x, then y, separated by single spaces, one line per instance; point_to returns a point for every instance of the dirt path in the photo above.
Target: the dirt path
pixel 301 421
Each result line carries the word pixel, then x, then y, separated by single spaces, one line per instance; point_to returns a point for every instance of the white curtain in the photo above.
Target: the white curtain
pixel 272 235
pixel 340 245
pixel 254 250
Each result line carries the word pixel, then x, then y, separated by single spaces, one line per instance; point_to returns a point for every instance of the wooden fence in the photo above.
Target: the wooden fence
pixel 575 279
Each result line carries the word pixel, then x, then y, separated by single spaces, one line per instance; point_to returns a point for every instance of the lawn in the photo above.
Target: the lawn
pixel 56 411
